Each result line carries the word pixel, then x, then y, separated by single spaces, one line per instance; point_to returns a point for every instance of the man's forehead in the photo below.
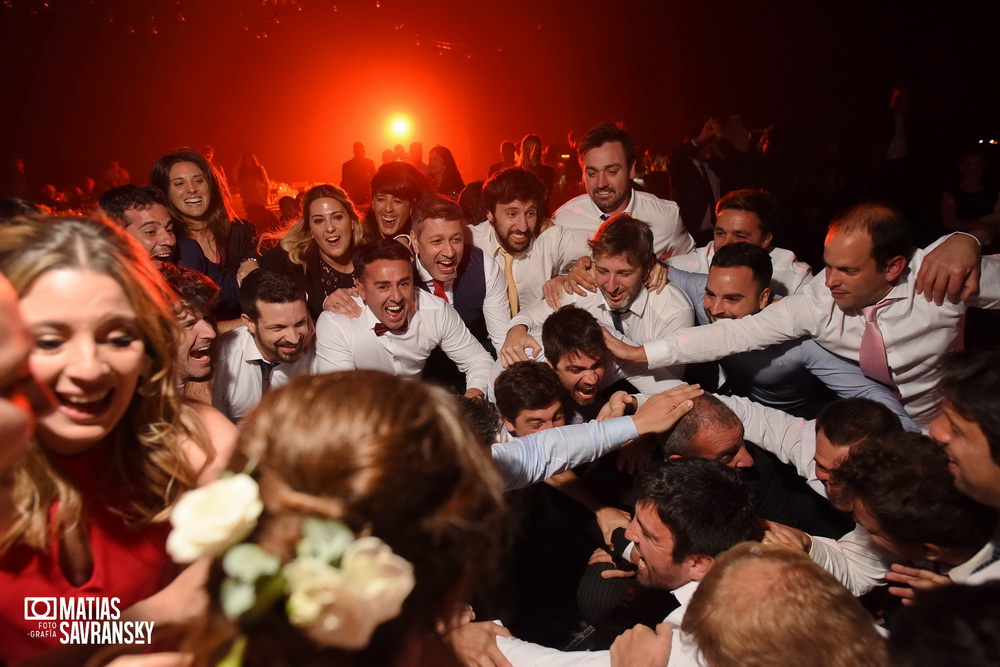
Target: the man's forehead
pixel 581 359
pixel 151 212
pixel 608 153
pixel 388 269
pixel 614 261
pixel 735 279
pixel 437 226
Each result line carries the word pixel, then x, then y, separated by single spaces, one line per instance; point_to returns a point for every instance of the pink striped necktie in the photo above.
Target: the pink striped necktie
pixel 871 356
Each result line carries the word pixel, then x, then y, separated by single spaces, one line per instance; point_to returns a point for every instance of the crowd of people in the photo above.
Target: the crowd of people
pixel 419 421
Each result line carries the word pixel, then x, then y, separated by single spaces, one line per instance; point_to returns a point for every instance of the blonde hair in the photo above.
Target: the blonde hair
pixel 148 467
pixel 789 611
pixel 388 456
pixel 297 240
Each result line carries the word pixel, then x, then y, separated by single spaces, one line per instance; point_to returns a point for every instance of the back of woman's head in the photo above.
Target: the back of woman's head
pixel 389 457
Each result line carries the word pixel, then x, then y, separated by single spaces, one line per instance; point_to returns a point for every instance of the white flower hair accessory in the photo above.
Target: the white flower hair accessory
pixel 208 520
pixel 339 587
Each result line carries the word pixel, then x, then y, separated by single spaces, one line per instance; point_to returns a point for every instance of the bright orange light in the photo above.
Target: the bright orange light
pixel 399 127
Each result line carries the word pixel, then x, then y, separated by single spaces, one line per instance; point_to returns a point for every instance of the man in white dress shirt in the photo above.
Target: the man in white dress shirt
pixel 513 198
pixel 622 250
pixel 607 156
pixel 748 216
pixel 399 325
pixel 274 344
pixel 871 276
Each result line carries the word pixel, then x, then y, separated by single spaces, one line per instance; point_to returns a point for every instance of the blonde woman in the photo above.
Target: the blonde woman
pixel 319 248
pixel 92 496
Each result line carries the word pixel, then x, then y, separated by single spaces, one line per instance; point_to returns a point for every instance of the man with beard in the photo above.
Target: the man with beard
pixel 513 199
pixel 399 324
pixel 274 345
pixel 607 156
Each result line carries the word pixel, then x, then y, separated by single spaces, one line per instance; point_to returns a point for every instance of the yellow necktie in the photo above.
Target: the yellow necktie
pixel 508 275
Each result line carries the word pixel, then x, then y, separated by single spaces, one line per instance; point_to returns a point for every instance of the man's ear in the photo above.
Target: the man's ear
pixel 932 552
pixel 631 171
pixel 765 297
pixel 768 238
pixel 699 565
pixel 361 290
pixel 507 424
pixel 490 218
pixel 894 268
pixel 249 323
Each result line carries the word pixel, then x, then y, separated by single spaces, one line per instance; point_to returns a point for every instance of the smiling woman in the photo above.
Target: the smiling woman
pixel 119 446
pixel 200 204
pixel 320 245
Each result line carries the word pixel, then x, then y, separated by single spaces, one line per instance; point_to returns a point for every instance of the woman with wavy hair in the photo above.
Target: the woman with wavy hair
pixel 320 246
pixel 374 487
pixel 200 205
pixel 120 444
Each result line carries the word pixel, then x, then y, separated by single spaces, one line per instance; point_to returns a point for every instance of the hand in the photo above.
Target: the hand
pixel 477 394
pixel 475 644
pixel 785 536
pixel 657 278
pixel 622 350
pixel 580 278
pixel 952 270
pixel 642 647
pixel 661 411
pixel 339 301
pixel 247 267
pixel 610 518
pixel 552 290
pixel 710 131
pixel 461 614
pixel 635 455
pixel 515 343
pixel 618 405
pixel 602 556
pixel 183 601
pixel 913 579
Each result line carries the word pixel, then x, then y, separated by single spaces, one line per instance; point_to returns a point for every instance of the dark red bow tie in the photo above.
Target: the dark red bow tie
pixel 380 330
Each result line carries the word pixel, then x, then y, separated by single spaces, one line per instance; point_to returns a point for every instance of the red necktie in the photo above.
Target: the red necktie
pixel 439 290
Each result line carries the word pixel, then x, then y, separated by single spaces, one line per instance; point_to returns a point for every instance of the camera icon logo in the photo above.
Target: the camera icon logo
pixel 40 609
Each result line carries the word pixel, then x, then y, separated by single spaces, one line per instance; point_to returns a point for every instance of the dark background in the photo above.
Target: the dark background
pixel 88 81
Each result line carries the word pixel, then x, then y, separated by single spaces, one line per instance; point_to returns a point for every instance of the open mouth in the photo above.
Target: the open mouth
pixel 446 265
pixel 194 201
pixel 203 353
pixel 85 405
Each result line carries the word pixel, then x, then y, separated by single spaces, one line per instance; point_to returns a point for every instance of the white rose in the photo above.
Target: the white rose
pixel 342 608
pixel 208 520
